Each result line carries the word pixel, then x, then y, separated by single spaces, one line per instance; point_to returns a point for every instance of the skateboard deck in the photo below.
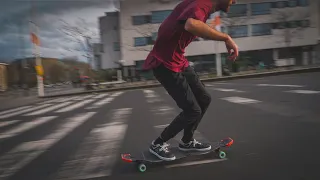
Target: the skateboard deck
pixel 145 157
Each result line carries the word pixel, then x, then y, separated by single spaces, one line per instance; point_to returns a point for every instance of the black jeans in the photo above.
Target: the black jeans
pixel 190 95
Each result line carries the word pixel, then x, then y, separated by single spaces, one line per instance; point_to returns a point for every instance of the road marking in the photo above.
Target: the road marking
pixel 24 111
pixel 7 123
pixel 303 91
pixel 52 101
pixel 240 100
pixel 67 99
pixel 83 97
pixel 23 154
pixel 42 111
pixel 104 101
pixel 151 96
pixel 279 85
pixel 195 163
pixel 101 96
pixel 75 106
pixel 226 90
pixel 98 152
pixel 15 109
pixel 25 127
pixel 209 85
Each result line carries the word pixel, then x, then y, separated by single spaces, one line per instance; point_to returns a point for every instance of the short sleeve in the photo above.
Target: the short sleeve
pixel 195 13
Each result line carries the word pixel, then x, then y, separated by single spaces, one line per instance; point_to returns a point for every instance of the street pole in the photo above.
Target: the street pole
pixel 34 29
pixel 36 52
pixel 217 23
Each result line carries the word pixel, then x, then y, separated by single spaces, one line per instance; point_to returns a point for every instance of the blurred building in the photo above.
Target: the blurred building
pixel 280 33
pixel 3 77
pixel 108 54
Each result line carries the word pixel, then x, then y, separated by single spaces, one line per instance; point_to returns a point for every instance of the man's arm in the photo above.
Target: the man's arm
pixel 198 28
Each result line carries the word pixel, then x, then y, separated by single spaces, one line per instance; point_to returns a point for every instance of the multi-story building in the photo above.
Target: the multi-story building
pixel 279 32
pixel 108 54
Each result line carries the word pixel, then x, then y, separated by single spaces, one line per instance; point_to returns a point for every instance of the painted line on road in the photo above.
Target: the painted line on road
pixel 196 163
pixel 103 142
pixel 75 106
pixel 15 109
pixel 226 90
pixel 8 123
pixel 24 111
pixel 23 154
pixel 51 108
pixel 280 85
pixel 101 96
pixel 104 101
pixel 240 100
pixel 151 96
pixel 303 91
pixel 83 97
pixel 25 127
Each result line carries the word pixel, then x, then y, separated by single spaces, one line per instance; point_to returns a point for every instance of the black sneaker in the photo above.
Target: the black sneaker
pixel 162 151
pixel 194 146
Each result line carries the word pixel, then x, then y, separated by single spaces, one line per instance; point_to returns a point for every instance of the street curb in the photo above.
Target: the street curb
pixel 244 76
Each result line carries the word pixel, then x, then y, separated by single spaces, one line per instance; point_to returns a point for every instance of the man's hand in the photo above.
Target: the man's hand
pixel 232 49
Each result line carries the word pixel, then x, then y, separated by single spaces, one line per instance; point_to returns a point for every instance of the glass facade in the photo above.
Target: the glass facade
pixel 260 8
pixel 159 16
pixel 261 29
pixel 140 41
pixel 238 31
pixel 238 10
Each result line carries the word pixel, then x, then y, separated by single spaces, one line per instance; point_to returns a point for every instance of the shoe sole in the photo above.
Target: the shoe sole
pixel 194 149
pixel 160 157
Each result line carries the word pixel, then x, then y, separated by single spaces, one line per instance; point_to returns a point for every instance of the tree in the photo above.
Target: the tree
pixel 80 34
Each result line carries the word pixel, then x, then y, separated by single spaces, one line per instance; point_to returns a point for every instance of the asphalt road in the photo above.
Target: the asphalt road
pixel 274 121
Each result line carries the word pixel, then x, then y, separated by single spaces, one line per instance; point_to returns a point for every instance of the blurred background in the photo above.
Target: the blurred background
pixel 77 46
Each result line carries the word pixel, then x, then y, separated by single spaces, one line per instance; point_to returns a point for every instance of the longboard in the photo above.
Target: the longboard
pixel 146 157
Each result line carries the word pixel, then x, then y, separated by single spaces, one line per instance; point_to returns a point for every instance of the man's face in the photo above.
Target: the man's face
pixel 224 5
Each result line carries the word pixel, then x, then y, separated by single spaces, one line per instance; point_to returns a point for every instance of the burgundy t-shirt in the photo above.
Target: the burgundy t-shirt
pixel 172 40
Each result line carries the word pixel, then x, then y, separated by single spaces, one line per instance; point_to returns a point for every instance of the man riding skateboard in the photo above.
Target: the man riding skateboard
pixel 172 70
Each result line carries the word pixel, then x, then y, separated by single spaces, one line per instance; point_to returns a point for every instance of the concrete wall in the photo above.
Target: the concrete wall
pixel 142 7
pixel 3 77
pixel 109 32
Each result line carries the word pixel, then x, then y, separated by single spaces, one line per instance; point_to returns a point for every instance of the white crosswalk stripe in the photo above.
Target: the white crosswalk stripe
pixel 226 90
pixel 24 111
pixel 8 123
pixel 75 106
pixel 23 154
pixel 240 100
pixel 303 91
pixel 99 150
pixel 280 85
pixel 25 126
pixel 104 101
pixel 42 111
pixel 13 110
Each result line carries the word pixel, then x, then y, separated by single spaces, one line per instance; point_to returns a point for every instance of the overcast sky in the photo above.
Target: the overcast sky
pixel 14 23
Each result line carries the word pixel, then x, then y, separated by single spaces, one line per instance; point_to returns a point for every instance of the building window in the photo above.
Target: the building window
pixel 159 16
pixel 260 8
pixel 116 46
pixel 139 20
pixel 238 10
pixel 140 41
pixel 305 23
pixel 223 29
pixel 280 4
pixel 238 31
pixel 101 48
pixel 261 29
pixel 292 3
pixel 303 2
